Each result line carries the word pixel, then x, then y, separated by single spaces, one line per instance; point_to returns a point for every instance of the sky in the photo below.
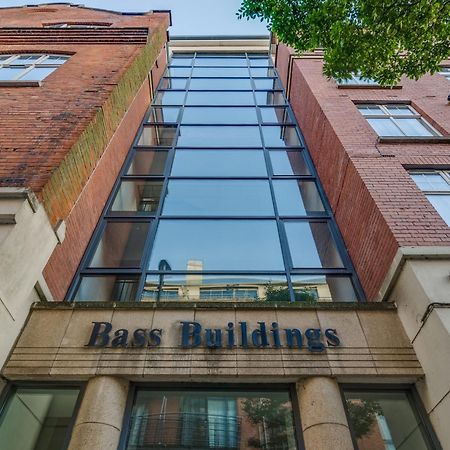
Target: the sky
pixel 189 17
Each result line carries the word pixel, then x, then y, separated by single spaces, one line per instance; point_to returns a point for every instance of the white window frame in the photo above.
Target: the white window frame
pixel 357 80
pixel 445 72
pixel 386 114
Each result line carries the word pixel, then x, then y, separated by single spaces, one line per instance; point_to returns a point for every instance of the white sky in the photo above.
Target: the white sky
pixel 189 17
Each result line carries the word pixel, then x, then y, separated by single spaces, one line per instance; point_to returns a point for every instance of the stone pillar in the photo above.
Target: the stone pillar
pixel 99 420
pixel 324 423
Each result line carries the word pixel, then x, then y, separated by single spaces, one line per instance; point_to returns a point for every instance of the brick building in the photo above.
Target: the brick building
pixel 205 244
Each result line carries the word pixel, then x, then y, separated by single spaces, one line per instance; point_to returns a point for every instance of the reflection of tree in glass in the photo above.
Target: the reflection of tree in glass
pixel 362 415
pixel 273 416
pixel 281 294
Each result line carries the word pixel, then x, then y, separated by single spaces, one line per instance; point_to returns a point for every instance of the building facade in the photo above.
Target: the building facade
pixel 220 252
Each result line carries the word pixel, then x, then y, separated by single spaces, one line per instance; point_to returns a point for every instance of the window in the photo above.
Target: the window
pixel 38 418
pixel 357 80
pixel 435 184
pixel 396 120
pixel 387 419
pixel 29 67
pixel 211 419
pixel 445 72
pixel 218 199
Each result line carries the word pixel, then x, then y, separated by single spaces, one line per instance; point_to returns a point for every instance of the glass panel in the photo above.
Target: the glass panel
pixel 11 73
pixel 312 245
pixel 221 136
pixel 138 196
pixel 270 98
pixel 217 163
pixel 220 72
pixel 277 114
pixel 263 72
pixel 217 245
pixel 169 98
pixel 385 420
pixel 385 127
pixel 163 114
pixel 430 181
pixel 4 58
pixel 173 83
pixel 323 288
pixel 227 115
pixel 236 288
pixel 220 98
pixel 181 61
pixel 222 419
pixel 275 136
pixel 442 206
pixel 224 62
pixel 400 110
pixel 55 59
pixel 178 72
pixel 260 62
pixel 37 74
pixel 121 245
pixel 289 162
pixel 218 198
pixel 156 135
pixel 267 84
pixel 219 84
pixel 27 59
pixel 35 419
pixel 115 288
pixel 414 127
pixel 148 162
pixel 297 198
pixel 370 110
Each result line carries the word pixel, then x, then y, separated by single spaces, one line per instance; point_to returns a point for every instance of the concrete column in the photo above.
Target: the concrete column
pixel 99 420
pixel 324 423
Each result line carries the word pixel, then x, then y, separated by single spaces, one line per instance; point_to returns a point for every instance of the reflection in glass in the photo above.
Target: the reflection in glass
pixel 117 288
pixel 277 114
pixel 220 136
pixel 196 287
pixel 121 245
pixel 217 245
pixel 173 83
pixel 201 419
pixel 37 418
pixel 385 420
pixel 177 72
pixel 288 162
pixel 258 61
pixel 137 196
pixel 169 98
pixel 220 98
pixel 297 198
pixel 267 84
pixel 218 198
pixel 442 205
pixel 280 136
pixel 270 98
pixel 220 84
pixel 220 72
pixel 312 245
pixel 221 62
pixel 228 115
pixel 218 163
pixel 37 73
pixel 263 72
pixel 161 114
pixel 181 60
pixel 154 135
pixel 323 288
pixel 148 162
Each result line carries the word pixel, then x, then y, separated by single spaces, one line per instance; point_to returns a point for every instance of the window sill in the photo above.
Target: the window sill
pixel 14 83
pixel 414 139
pixel 368 86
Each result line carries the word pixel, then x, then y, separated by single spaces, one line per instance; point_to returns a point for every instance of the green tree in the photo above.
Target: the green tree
pixel 379 39
pixel 362 416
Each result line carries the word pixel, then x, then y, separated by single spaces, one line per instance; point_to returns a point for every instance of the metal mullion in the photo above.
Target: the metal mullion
pixel 115 271
pixel 196 217
pixel 446 175
pixel 220 177
pixel 216 272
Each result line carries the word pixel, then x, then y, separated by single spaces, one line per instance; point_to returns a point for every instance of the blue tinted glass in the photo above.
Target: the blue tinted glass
pixel 173 83
pixel 221 72
pixel 288 162
pixel 220 136
pixel 169 98
pixel 11 73
pixel 220 98
pixel 229 115
pixel 163 114
pixel 223 62
pixel 280 136
pixel 220 84
pixel 37 73
pixel 270 98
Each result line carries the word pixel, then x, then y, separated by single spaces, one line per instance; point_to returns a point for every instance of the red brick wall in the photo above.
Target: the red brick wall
pixel 376 204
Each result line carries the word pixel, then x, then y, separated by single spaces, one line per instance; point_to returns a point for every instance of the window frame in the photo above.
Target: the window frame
pixel 445 72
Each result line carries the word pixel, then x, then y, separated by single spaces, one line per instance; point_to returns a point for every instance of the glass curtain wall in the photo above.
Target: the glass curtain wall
pixel 218 199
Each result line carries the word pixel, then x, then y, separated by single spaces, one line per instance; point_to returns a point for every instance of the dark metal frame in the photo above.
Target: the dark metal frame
pixel 289 388
pixel 412 396
pixel 153 219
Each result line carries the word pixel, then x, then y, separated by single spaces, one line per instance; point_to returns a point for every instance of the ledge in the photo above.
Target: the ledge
pixel 368 86
pixel 333 306
pixel 18 83
pixel 414 140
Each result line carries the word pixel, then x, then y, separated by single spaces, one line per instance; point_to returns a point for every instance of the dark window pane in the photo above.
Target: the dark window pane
pixel 323 288
pixel 201 420
pixel 218 198
pixel 312 245
pixel 219 84
pixel 270 98
pixel 169 98
pixel 220 98
pixel 121 245
pixel 289 162
pixel 217 245
pixel 137 196
pixel 173 83
pixel 225 136
pixel 156 135
pixel 216 163
pixel 297 198
pixel 194 287
pixel 386 417
pixel 280 136
pixel 275 115
pixel 228 115
pixel 224 62
pixel 220 72
pixel 115 288
pixel 163 114
pixel 146 162
pixel 36 419
pixel 37 73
